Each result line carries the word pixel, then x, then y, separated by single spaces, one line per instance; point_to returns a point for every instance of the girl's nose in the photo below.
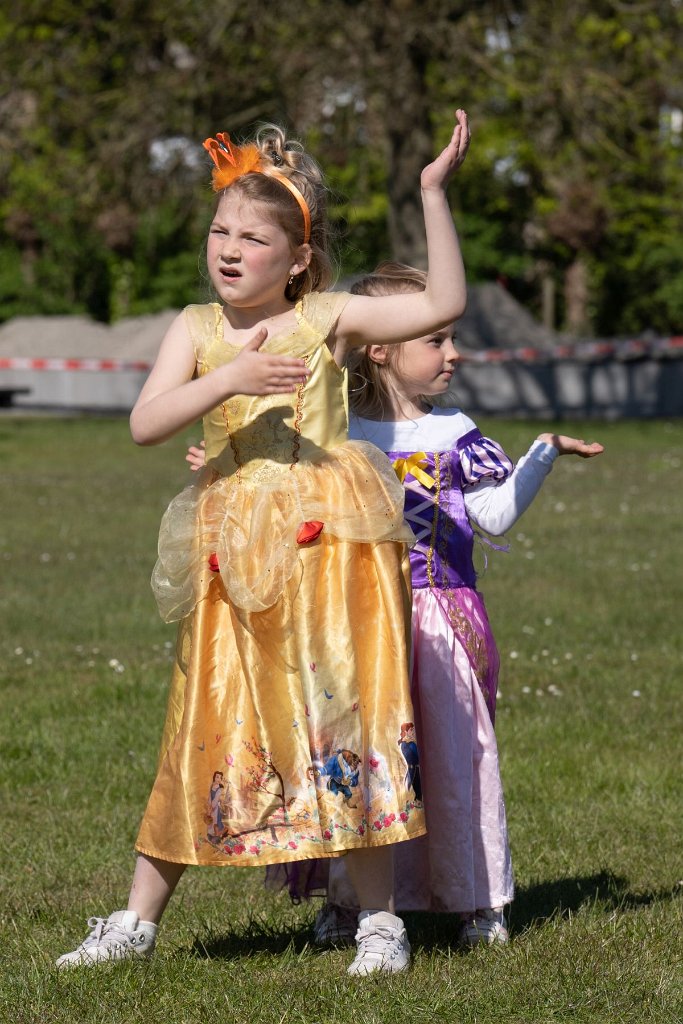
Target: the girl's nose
pixel 230 250
pixel 451 353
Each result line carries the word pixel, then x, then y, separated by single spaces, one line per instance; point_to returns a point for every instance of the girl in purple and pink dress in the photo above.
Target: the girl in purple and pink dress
pixel 455 480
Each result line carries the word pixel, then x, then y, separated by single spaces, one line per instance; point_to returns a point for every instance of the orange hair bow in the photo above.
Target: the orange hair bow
pixel 231 162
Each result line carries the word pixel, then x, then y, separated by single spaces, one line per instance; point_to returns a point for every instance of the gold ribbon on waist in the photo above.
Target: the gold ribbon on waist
pixel 415 465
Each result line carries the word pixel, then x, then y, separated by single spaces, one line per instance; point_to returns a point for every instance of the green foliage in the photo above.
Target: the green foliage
pixel 576 154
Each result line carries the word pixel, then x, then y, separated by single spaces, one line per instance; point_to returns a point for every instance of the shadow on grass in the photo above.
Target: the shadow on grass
pixel 542 901
pixel 565 896
pixel 255 937
pixel 533 905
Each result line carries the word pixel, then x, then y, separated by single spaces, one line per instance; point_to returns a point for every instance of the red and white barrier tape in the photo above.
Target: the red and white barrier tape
pixel 587 351
pixel 97 365
pixel 584 352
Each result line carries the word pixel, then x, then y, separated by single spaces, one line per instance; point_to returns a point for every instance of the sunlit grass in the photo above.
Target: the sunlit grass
pixel 586 610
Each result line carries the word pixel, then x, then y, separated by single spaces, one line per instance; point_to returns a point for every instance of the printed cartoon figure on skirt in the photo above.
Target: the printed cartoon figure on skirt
pixel 343 769
pixel 216 807
pixel 409 750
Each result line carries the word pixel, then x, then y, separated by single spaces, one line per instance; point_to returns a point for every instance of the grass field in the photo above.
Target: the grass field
pixel 586 610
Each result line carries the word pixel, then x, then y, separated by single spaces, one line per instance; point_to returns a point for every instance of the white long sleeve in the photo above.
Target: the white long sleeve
pixel 496 506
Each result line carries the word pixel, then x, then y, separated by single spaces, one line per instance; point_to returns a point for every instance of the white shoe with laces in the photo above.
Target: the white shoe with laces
pixel 382 944
pixel 121 936
pixel 484 928
pixel 335 926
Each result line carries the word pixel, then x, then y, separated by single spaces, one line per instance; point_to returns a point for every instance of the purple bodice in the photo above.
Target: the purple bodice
pixel 442 556
pixel 435 507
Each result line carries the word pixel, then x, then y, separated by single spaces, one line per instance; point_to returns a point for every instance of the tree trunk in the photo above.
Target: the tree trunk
pixel 548 302
pixel 576 297
pixel 409 139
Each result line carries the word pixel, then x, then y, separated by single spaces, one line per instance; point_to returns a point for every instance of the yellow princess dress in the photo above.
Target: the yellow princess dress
pixel 286 564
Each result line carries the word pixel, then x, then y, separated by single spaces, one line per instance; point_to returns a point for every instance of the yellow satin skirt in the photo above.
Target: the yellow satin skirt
pixel 282 736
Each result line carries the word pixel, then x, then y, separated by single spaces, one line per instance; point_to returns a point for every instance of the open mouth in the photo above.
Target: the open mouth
pixel 229 273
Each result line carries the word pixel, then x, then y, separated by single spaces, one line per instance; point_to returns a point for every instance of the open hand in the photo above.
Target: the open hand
pixel 573 445
pixel 262 373
pixel 196 456
pixel 437 174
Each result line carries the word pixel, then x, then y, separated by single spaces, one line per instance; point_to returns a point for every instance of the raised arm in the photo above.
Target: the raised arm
pixel 170 399
pixel 382 320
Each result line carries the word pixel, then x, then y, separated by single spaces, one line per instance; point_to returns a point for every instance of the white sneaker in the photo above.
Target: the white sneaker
pixel 121 936
pixel 335 926
pixel 382 945
pixel 484 928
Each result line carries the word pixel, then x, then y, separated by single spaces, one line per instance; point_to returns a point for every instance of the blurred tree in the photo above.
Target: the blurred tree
pixel 99 163
pixel 571 179
pixel 586 86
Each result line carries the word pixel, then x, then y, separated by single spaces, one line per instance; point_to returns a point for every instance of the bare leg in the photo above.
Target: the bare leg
pixel 372 875
pixel 153 884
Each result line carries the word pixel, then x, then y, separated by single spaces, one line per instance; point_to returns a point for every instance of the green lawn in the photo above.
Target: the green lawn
pixel 586 610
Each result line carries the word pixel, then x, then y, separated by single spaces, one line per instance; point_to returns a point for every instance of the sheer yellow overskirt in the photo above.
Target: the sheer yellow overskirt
pixel 282 733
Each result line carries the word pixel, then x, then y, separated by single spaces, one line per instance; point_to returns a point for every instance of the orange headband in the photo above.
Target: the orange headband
pixel 231 162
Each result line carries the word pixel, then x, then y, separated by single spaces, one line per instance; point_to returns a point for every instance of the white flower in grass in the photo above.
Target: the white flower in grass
pixel 554 690
pixel 560 506
pixel 547 621
pixel 634 656
pixel 29 661
pixel 568 656
pixel 526 689
pixel 529 630
pixel 540 693
pixel 545 652
pixel 116 665
pixel 514 654
pixel 530 554
pixel 168 644
pixel 554 662
pixel 18 650
pixel 70 555
pixel 635 693
pixel 634 567
pixel 46 556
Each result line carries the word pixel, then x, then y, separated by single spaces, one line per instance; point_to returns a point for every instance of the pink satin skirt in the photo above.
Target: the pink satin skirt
pixel 463 863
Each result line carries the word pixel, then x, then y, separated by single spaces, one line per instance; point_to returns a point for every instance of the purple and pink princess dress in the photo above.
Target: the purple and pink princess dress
pixel 453 478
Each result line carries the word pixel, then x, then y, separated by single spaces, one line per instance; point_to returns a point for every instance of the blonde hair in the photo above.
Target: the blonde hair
pixel 370 383
pixel 289 158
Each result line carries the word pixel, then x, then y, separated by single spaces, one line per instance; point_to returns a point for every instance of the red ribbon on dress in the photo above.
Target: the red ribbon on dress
pixel 309 531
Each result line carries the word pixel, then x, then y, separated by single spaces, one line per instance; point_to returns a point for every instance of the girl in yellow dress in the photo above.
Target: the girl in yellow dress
pixel 285 563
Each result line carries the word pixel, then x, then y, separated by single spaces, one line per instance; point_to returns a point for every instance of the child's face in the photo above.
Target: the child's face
pixel 250 258
pixel 424 366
